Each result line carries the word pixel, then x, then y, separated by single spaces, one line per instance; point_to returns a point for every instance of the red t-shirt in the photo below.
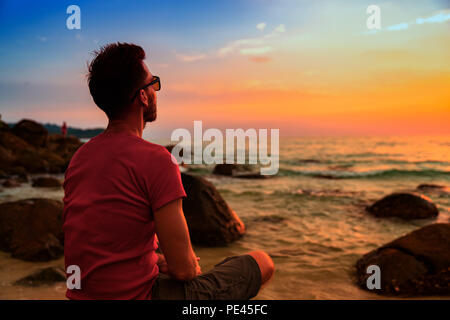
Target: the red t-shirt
pixel 112 186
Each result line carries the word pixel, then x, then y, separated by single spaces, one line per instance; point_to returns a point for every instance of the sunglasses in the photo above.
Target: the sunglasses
pixel 155 83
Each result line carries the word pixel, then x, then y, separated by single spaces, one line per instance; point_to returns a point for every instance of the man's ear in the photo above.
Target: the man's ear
pixel 143 97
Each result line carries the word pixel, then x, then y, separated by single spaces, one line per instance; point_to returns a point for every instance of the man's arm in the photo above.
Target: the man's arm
pixel 173 236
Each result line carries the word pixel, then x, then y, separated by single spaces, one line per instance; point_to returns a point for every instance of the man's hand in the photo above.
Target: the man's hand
pixel 162 264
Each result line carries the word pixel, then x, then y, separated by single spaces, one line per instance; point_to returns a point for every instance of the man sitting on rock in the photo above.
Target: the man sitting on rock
pixel 121 191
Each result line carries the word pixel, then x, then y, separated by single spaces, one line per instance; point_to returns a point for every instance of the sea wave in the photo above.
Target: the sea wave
pixel 389 173
pixel 294 192
pixel 301 162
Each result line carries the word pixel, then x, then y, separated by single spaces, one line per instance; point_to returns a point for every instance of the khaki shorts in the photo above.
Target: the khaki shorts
pixel 235 278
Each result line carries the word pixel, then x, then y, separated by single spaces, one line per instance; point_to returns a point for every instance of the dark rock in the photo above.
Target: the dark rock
pixel 31 229
pixel 415 264
pixel 64 147
pixel 211 221
pixel 433 188
pixel 46 182
pixel 31 131
pixel 237 171
pixel 426 186
pixel 40 160
pixel 32 161
pixel 18 153
pixel 28 145
pixel 20 173
pixel 225 169
pixel 44 276
pixel 4 126
pixel 251 175
pixel 170 148
pixel 13 143
pixel 6 157
pixel 11 183
pixel 55 162
pixel 405 206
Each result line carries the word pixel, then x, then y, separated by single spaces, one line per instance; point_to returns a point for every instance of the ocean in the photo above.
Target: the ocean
pixel 310 217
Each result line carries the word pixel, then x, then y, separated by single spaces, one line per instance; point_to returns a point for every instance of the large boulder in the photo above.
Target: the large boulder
pixel 44 276
pixel 405 206
pixel 415 264
pixel 31 229
pixel 211 221
pixel 32 132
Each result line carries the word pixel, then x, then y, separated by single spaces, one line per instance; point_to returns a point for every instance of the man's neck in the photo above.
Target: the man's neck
pixel 126 126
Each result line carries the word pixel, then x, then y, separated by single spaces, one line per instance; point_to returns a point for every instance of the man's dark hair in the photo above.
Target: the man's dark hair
pixel 115 73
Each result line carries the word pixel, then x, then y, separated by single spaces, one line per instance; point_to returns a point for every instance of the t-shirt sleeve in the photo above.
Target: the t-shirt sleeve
pixel 166 184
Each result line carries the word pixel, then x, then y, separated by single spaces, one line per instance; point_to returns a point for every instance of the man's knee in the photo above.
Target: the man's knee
pixel 265 264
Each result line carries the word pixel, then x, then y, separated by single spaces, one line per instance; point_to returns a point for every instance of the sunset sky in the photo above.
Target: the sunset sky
pixel 305 67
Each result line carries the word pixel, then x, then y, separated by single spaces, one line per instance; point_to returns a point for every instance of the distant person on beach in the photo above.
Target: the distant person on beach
pixel 64 129
pixel 124 194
